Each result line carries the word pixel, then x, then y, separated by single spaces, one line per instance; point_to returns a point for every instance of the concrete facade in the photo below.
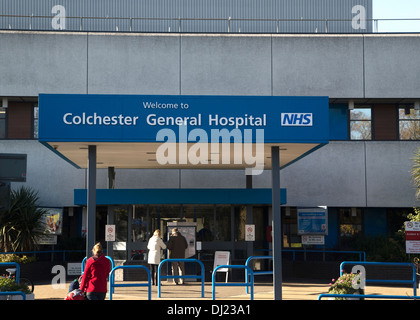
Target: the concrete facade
pixel 339 66
pixel 341 174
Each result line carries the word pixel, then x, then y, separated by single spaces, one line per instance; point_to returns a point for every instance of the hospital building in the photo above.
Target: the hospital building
pixel 136 87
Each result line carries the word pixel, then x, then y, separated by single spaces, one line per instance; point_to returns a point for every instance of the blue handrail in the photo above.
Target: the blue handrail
pixel 362 254
pixel 17 269
pixel 47 251
pixel 112 284
pixel 365 296
pixel 13 293
pixel 412 281
pixel 235 284
pixel 159 276
pixel 256 273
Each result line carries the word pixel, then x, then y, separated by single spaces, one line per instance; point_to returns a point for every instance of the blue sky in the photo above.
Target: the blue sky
pixel 397 9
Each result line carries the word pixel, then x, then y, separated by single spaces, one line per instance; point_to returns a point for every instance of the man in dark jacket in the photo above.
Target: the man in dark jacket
pixel 177 245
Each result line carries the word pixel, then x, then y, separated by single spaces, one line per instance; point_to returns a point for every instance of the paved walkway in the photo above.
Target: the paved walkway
pixel 192 291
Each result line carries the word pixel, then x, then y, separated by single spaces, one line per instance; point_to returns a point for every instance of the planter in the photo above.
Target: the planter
pixel 30 296
pixel 357 292
pixel 348 283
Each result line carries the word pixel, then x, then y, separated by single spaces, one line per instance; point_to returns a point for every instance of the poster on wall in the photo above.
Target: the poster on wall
pixel 110 232
pixel 53 221
pixel 250 232
pixel 312 221
pixel 47 239
pixel 308 239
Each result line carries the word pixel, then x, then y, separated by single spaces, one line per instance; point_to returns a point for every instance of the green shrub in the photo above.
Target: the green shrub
pixel 15 258
pixel 9 284
pixel 348 283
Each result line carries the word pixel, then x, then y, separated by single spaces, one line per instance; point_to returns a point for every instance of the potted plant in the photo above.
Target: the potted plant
pixel 9 284
pixel 348 283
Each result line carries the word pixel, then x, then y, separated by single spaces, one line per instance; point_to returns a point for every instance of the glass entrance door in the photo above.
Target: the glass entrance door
pixel 140 233
pixel 120 216
pixel 163 214
pixel 144 220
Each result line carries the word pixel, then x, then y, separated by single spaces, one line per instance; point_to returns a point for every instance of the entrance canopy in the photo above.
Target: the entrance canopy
pixel 217 132
pixel 229 132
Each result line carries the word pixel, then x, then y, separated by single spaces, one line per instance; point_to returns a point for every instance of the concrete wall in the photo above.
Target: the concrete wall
pixel 341 174
pixel 33 63
pixel 339 66
pixel 348 173
pixel 52 177
pixel 356 174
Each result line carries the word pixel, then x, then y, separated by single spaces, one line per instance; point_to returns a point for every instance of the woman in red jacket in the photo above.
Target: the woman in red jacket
pixel 96 274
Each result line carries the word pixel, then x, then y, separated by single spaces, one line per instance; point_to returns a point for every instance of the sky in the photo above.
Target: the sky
pixel 397 9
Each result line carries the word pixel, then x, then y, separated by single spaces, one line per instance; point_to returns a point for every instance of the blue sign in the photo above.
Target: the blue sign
pixel 312 221
pixel 138 118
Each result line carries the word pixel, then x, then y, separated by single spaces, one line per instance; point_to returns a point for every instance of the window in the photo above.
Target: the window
pixel 350 225
pixel 223 223
pixel 361 124
pixel 409 124
pixel 139 226
pixel 291 238
pixel 121 227
pixel 203 215
pixel 36 122
pixel 2 123
pixel 240 221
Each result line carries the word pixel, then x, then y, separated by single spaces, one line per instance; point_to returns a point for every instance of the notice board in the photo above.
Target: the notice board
pixel 412 237
pixel 312 221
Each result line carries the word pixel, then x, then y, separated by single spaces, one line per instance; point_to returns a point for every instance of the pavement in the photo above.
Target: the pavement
pixel 291 290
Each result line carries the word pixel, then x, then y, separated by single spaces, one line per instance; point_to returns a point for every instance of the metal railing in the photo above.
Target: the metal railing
pixel 112 284
pixel 14 293
pixel 16 265
pixel 385 264
pixel 160 276
pixel 365 296
pixel 52 252
pixel 295 252
pixel 250 284
pixel 179 25
pixel 362 254
pixel 256 273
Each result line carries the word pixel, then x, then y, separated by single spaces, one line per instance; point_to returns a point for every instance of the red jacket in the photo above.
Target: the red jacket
pixel 96 274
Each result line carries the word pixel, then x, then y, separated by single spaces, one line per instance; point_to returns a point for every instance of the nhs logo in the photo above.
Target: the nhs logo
pixel 297 119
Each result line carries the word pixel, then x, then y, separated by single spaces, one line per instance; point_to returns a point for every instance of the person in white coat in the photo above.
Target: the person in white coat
pixel 154 245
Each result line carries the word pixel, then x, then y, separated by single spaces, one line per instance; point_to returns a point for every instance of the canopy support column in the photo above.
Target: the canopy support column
pixel 91 200
pixel 276 213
